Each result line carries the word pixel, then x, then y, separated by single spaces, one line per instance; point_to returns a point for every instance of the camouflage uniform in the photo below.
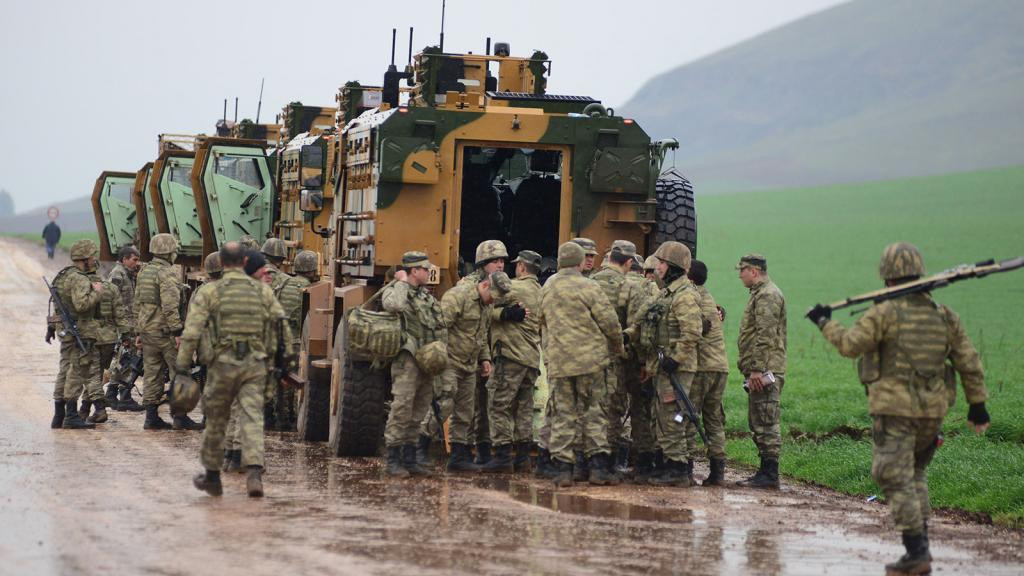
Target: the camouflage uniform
pixel 237 316
pixel 124 280
pixel 76 292
pixel 112 326
pixel 288 291
pixel 709 384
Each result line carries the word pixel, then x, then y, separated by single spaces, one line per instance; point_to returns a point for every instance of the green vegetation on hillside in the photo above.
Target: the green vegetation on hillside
pixel 823 244
pixel 66 238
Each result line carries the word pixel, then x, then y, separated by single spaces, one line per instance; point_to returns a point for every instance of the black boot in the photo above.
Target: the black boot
pixel 581 469
pixel 99 414
pixel 395 468
pixel 410 463
pixel 483 453
pixel 563 473
pixel 72 419
pixel 622 461
pixel 423 450
pixel 644 468
pixel 209 482
pixel 154 421
pixel 125 402
pixel 659 463
pixel 917 560
pixel 522 459
pixel 183 422
pixel 545 466
pixel 675 474
pixel 717 475
pixel 111 394
pixel 58 414
pixel 232 461
pixel 501 462
pixel 461 459
pixel 83 410
pixel 254 482
pixel 689 472
pixel 766 477
pixel 600 471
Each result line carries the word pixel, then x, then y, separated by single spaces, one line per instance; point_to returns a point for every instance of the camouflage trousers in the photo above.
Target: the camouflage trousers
pixel 669 432
pixel 62 371
pixel 158 357
pixel 480 431
pixel 84 373
pixel 106 357
pixel 903 448
pixel 510 402
pixel 579 401
pixel 626 393
pixel 706 395
pixel 227 382
pixel 411 391
pixel 763 415
pixel 232 439
pixel 455 393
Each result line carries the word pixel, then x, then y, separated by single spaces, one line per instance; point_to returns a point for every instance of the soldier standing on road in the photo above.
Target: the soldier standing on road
pixel 288 291
pixel 413 371
pixel 515 347
pixel 709 385
pixel 240 318
pixel 112 327
pixel 123 277
pixel 903 346
pixel 590 254
pixel 762 349
pixel 581 332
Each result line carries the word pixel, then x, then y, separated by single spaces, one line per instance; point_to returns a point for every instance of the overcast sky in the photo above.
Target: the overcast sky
pixel 88 85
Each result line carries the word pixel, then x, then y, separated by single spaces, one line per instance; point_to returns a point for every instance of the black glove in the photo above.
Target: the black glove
pixel 625 338
pixel 51 332
pixel 513 313
pixel 977 414
pixel 819 315
pixel 668 364
pixel 705 327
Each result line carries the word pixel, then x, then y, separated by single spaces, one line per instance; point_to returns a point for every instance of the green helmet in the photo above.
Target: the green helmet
pixel 163 243
pixel 184 394
pixel 306 261
pixel 83 249
pixel 570 254
pixel 901 260
pixel 675 253
pixel 651 263
pixel 490 250
pixel 249 243
pixel 212 263
pixel 274 247
pixel 432 358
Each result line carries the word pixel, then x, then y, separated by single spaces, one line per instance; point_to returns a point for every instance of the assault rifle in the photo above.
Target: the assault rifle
pixel 70 325
pixel 131 362
pixel 940 280
pixel 686 410
pixel 282 363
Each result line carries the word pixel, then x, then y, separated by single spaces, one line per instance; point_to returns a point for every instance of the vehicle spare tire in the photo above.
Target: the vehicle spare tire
pixel 677 213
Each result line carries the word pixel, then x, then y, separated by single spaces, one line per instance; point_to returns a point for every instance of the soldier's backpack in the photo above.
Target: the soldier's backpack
pixel 374 335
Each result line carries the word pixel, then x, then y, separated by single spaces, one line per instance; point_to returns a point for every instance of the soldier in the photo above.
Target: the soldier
pixel 628 295
pixel 581 330
pixel 212 267
pixel 238 318
pixel 515 346
pixel 762 348
pixel 672 326
pixel 422 353
pixel 249 243
pixel 709 385
pixel 123 277
pixel 288 292
pixel 590 254
pixel 80 297
pixel 111 328
pixel 902 346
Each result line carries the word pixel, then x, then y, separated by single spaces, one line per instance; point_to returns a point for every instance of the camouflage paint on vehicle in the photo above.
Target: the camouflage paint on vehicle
pixel 116 216
pixel 170 190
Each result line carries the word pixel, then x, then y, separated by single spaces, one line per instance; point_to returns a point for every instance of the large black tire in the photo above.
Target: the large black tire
pixel 314 418
pixel 677 214
pixel 357 425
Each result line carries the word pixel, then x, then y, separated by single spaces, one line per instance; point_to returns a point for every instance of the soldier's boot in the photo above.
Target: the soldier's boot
pixel 410 463
pixel 58 414
pixel 125 402
pixel 917 560
pixel 767 477
pixel 563 474
pixel 72 419
pixel 183 422
pixel 622 461
pixel 461 460
pixel 522 459
pixel 581 468
pixel 423 450
pixel 717 475
pixel 111 395
pixel 675 474
pixel 208 482
pixel 232 461
pixel 659 464
pixel 501 461
pixel 254 482
pixel 154 421
pixel 99 414
pixel 483 453
pixel 600 471
pixel 545 466
pixel 83 410
pixel 644 468
pixel 395 468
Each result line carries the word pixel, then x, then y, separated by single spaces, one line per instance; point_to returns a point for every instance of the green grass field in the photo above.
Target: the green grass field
pixel 66 239
pixel 823 244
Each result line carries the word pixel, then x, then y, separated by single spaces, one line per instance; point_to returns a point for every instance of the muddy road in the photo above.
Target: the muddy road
pixel 119 499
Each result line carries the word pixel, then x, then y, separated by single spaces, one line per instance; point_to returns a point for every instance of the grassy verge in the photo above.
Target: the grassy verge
pixel 66 239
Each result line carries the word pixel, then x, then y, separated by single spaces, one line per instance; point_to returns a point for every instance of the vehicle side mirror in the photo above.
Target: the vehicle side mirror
pixel 311 200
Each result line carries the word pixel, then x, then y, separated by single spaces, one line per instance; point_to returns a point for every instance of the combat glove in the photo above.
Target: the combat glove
pixel 820 315
pixel 977 414
pixel 625 338
pixel 513 313
pixel 668 364
pixel 721 313
pixel 51 332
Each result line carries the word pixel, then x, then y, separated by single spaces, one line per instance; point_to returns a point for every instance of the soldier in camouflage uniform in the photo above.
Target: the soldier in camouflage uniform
pixel 762 349
pixel 590 254
pixel 249 243
pixel 288 291
pixel 709 385
pixel 212 267
pixel 908 351
pixel 515 347
pixel 123 277
pixel 232 324
pixel 628 295
pixel 580 330
pixel 411 387
pixel 671 326
pixel 112 327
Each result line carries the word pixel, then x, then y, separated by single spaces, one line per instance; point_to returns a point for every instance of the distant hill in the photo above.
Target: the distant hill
pixel 75 216
pixel 868 90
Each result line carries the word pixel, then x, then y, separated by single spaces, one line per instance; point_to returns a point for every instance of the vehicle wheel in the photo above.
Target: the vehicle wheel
pixel 677 214
pixel 314 407
pixel 358 412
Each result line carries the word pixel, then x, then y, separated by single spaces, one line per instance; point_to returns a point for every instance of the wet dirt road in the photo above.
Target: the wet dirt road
pixel 119 499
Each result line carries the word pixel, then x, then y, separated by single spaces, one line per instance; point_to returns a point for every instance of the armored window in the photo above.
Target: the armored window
pixel 241 169
pixel 182 175
pixel 312 157
pixel 120 192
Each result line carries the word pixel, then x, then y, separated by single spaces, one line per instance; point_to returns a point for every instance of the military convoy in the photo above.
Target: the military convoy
pixel 454 156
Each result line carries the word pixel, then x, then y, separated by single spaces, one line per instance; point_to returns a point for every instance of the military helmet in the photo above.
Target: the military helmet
pixel 432 358
pixel 184 394
pixel 249 243
pixel 651 263
pixel 163 243
pixel 490 250
pixel 901 260
pixel 305 261
pixel 570 254
pixel 675 253
pixel 274 247
pixel 83 249
pixel 212 263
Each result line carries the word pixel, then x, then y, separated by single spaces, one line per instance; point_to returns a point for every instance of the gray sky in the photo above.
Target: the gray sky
pixel 87 86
